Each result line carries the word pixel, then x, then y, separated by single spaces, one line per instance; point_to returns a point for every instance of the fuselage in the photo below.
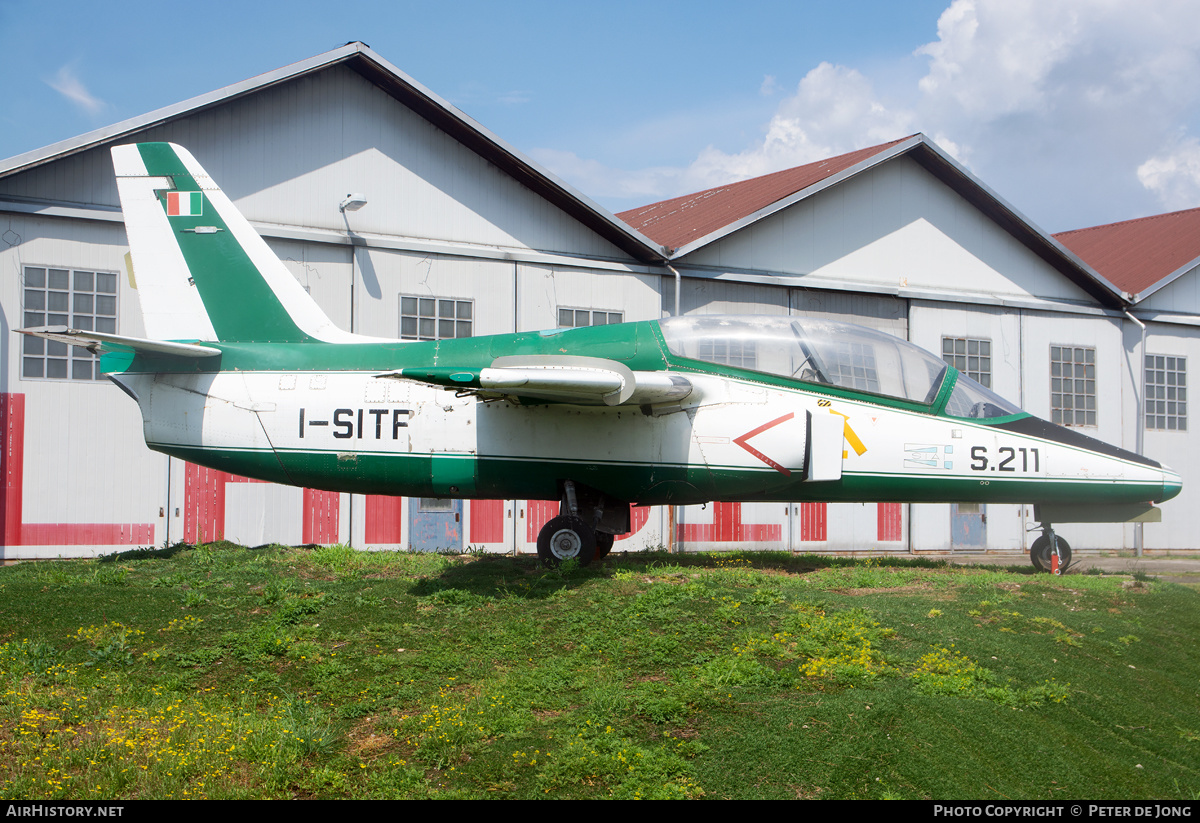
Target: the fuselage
pixel 325 416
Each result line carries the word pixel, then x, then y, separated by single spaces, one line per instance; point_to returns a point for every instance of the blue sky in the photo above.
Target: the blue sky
pixel 1077 112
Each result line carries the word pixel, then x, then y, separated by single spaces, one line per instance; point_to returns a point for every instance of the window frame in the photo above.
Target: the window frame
pixel 87 299
pixel 436 319
pixel 1170 365
pixel 1059 413
pixel 608 313
pixel 962 361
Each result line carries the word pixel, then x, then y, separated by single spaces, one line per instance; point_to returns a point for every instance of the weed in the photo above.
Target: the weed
pixel 276 590
pixel 192 599
pixel 110 576
pixel 28 657
pixel 116 652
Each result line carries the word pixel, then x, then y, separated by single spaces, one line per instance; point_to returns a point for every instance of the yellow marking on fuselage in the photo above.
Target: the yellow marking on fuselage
pixel 851 436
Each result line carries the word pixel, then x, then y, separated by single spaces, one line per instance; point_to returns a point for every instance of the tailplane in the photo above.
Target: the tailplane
pixel 203 273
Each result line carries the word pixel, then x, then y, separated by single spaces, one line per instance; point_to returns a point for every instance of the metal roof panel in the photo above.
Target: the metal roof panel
pixel 679 221
pixel 1140 255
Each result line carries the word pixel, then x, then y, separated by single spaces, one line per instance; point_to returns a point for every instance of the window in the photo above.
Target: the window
pixel 739 353
pixel 1166 392
pixel 1072 386
pixel 64 297
pixel 577 318
pixel 971 357
pixel 435 318
pixel 854 367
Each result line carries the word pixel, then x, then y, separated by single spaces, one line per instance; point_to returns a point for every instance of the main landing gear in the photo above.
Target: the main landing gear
pixel 585 528
pixel 1050 553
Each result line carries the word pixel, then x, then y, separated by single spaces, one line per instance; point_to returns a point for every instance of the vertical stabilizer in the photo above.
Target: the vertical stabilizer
pixel 202 272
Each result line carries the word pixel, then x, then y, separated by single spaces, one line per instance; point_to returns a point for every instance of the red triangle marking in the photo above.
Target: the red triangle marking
pixel 741 441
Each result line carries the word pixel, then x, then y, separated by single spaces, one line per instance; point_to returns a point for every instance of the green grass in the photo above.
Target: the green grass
pixel 225 672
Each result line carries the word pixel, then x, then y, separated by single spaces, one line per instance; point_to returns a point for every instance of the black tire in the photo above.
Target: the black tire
pixel 604 544
pixel 1039 547
pixel 566 536
pixel 1039 554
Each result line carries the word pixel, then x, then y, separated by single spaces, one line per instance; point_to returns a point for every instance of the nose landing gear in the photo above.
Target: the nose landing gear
pixel 1050 553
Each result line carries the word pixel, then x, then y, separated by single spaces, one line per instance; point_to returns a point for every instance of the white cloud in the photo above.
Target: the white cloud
pixel 1065 101
pixel 66 83
pixel 993 58
pixel 834 110
pixel 1174 175
pixel 1062 107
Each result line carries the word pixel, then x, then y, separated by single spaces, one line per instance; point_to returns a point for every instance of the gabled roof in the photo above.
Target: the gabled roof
pixel 681 220
pixel 684 224
pixel 361 59
pixel 1143 255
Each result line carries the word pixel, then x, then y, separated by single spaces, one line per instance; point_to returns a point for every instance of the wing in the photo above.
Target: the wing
pixel 101 342
pixel 584 381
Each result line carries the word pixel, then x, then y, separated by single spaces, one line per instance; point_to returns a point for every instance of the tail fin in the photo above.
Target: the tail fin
pixel 202 272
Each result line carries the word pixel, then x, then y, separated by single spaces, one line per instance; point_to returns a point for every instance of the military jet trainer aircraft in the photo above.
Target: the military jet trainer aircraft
pixel 244 373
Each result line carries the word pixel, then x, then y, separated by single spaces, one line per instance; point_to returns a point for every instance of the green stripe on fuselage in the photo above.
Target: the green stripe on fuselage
pixel 447 475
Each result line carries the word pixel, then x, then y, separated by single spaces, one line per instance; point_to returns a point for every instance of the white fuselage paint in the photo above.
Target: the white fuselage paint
pixel 758 431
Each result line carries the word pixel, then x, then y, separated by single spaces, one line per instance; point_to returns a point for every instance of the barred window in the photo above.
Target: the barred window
pixel 65 297
pixel 1072 386
pixel 731 352
pixel 577 318
pixel 854 367
pixel 1166 392
pixel 972 357
pixel 435 318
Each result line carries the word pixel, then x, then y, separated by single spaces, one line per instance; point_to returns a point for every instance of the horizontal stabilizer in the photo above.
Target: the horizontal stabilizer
pixel 585 381
pixel 100 342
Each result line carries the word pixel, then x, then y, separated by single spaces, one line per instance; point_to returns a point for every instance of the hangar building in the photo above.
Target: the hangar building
pixel 463 235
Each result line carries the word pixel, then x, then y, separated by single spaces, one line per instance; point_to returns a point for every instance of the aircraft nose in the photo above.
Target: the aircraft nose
pixel 1172 484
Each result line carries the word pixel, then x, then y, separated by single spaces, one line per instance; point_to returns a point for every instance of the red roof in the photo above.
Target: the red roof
pixel 680 220
pixel 1136 254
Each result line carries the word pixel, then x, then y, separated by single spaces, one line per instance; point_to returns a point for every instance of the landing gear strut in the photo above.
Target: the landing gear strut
pixel 1044 550
pixel 585 527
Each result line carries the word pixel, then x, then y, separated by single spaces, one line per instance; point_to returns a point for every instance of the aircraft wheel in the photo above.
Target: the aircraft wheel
pixel 1039 554
pixel 566 536
pixel 604 544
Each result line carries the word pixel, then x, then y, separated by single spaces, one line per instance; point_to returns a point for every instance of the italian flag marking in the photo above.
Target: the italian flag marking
pixel 184 204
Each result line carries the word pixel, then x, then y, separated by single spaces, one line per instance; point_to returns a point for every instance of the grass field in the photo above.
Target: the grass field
pixel 225 672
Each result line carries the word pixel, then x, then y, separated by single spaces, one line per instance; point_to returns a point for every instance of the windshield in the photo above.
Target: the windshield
pixel 815 351
pixel 971 400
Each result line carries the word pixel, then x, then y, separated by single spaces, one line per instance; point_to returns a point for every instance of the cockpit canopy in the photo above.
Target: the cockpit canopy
pixel 831 354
